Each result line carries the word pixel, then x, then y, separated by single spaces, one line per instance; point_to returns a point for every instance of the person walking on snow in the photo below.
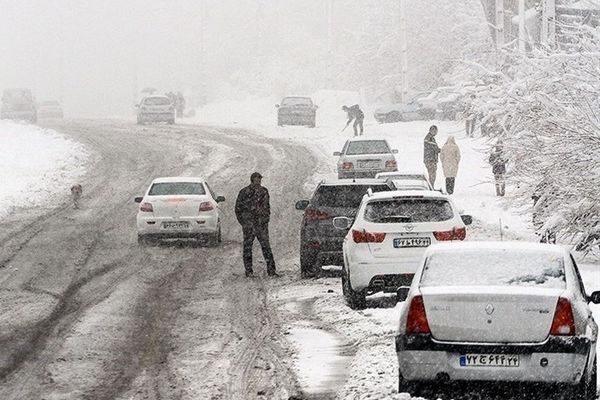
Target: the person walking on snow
pixel 470 118
pixel 356 114
pixel 253 212
pixel 498 163
pixel 450 158
pixel 431 152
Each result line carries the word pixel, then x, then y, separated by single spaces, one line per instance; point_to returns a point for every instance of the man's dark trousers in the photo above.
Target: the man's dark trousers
pixel 260 232
pixel 358 123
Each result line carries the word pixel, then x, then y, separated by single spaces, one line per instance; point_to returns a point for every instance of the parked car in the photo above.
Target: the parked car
pixel 50 109
pixel 364 157
pixel 402 112
pixel 296 110
pixel 498 312
pixel 179 208
pixel 320 242
pixel 18 105
pixel 155 108
pixel 408 175
pixel 388 237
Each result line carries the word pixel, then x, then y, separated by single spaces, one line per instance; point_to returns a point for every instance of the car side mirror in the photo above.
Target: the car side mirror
pixel 594 298
pixel 302 204
pixel 337 153
pixel 220 199
pixel 395 151
pixel 467 219
pixel 342 223
pixel 138 199
pixel 276 105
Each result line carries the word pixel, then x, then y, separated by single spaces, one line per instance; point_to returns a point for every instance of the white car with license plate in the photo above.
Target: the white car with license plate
pixel 365 157
pixel 389 236
pixel 406 175
pixel 502 312
pixel 179 208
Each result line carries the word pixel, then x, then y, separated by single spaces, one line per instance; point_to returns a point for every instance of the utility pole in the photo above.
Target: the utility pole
pixel 499 24
pixel 403 53
pixel 522 35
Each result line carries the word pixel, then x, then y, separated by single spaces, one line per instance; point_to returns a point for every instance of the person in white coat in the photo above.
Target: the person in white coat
pixel 450 157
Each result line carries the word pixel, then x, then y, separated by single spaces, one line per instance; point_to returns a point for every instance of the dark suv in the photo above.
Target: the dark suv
pixel 320 242
pixel 297 111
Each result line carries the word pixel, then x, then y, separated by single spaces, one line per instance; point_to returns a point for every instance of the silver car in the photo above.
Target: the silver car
pixel 363 157
pixel 155 108
pixel 498 312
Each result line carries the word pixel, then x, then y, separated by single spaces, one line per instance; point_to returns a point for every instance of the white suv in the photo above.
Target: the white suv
pixel 388 238
pixel 364 157
pixel 179 208
pixel 155 108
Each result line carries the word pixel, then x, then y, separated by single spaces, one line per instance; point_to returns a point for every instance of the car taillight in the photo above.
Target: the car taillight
pixel 347 166
pixel 391 164
pixel 416 321
pixel 367 237
pixel 563 323
pixel 146 207
pixel 454 234
pixel 205 206
pixel 316 215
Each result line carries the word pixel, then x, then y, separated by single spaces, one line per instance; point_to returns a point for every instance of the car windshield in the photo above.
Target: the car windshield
pixel 177 188
pixel 296 101
pixel 344 196
pixel 408 210
pixel 498 267
pixel 368 147
pixel 157 101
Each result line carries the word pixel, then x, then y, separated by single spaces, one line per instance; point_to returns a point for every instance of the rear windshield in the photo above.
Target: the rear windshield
pixel 344 196
pixel 408 210
pixel 296 101
pixel 157 101
pixel 417 177
pixel 176 188
pixel 368 147
pixel 498 267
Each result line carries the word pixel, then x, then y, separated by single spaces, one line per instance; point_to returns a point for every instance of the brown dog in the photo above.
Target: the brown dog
pixel 76 192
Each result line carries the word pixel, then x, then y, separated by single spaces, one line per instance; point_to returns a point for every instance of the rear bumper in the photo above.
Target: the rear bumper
pixel 156 116
pixel 367 276
pixel 303 119
pixel 197 226
pixel 422 358
pixel 349 174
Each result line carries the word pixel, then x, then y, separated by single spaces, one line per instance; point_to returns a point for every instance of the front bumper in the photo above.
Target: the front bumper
pixel 421 358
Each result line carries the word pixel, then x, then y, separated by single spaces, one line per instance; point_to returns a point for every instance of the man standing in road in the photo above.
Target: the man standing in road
pixel 355 114
pixel 431 152
pixel 253 212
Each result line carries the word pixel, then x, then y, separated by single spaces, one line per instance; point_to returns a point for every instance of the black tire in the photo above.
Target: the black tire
pixel 587 389
pixel 308 263
pixel 355 300
pixel 145 241
pixel 214 238
pixel 405 386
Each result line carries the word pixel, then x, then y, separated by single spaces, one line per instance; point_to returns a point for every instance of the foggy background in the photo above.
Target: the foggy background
pixel 96 56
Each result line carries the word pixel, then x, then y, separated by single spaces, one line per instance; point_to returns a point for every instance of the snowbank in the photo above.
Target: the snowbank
pixel 37 166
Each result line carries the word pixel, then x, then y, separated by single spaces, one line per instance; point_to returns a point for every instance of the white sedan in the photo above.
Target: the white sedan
pixel 498 312
pixel 179 208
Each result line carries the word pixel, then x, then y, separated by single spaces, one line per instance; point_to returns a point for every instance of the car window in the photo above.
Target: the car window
pixel 210 191
pixel 494 267
pixel 296 101
pixel 408 210
pixel 368 147
pixel 157 101
pixel 579 282
pixel 177 188
pixel 348 196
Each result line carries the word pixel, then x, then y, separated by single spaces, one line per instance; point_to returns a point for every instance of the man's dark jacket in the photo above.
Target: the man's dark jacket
pixel 431 149
pixel 252 205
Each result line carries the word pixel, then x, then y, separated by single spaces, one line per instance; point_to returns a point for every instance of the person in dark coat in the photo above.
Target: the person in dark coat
pixel 253 212
pixel 355 114
pixel 498 163
pixel 431 152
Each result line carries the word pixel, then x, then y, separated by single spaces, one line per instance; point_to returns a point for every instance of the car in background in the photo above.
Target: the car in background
pixel 388 237
pixel 403 112
pixel 365 157
pixel 411 184
pixel 155 108
pixel 496 312
pixel 50 110
pixel 179 208
pixel 18 105
pixel 320 242
pixel 408 175
pixel 297 110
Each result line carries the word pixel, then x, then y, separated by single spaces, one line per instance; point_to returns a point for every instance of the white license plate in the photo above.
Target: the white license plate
pixel 412 242
pixel 368 164
pixel 489 360
pixel 175 225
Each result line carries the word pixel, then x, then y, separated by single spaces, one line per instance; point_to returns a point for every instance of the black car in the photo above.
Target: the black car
pixel 297 111
pixel 320 242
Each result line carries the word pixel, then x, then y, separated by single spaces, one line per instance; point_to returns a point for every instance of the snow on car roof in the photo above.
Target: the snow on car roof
pixel 361 181
pixel 156 95
pixel 401 172
pixel 495 245
pixel 407 193
pixel 177 179
pixel 366 139
pixel 410 182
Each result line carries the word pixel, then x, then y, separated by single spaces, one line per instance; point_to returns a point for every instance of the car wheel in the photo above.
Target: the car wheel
pixel 405 386
pixel 307 264
pixel 219 235
pixel 355 300
pixel 394 116
pixel 587 388
pixel 145 240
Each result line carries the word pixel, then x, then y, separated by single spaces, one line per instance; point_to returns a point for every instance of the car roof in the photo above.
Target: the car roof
pixel 366 139
pixel 497 245
pixel 351 182
pixel 410 182
pixel 431 194
pixel 402 172
pixel 178 179
pixel 162 96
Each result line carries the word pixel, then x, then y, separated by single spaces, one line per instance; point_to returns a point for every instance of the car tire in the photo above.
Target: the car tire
pixel 415 389
pixel 587 389
pixel 145 241
pixel 214 238
pixel 307 265
pixel 355 300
